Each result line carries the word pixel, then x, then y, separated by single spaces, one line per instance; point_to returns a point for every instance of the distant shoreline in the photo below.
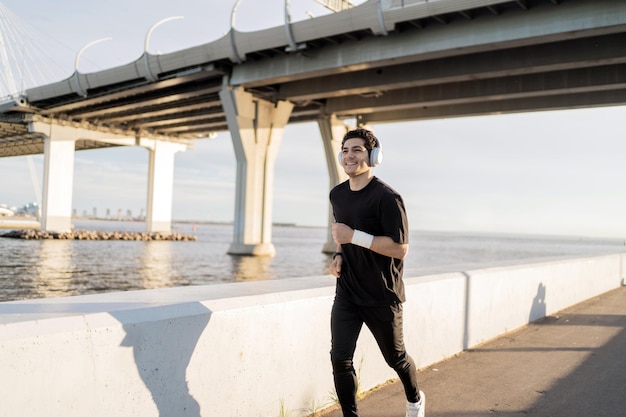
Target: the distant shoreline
pixel 31 222
pixel 208 222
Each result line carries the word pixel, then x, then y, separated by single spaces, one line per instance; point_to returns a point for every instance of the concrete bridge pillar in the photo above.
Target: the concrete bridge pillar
pixel 332 130
pixel 160 184
pixel 256 127
pixel 58 179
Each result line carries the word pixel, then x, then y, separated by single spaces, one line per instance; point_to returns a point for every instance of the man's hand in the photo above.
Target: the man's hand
pixel 335 266
pixel 342 233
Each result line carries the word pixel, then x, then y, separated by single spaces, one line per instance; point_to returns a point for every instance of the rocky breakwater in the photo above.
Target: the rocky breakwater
pixel 91 235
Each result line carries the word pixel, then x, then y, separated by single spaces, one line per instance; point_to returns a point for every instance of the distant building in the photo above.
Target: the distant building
pixel 30 209
pixel 6 211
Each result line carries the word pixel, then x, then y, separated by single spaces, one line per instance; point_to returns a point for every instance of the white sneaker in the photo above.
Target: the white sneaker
pixel 416 409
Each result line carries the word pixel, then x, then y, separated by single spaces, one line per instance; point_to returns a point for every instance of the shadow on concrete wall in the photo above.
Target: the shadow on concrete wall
pixel 538 308
pixel 162 346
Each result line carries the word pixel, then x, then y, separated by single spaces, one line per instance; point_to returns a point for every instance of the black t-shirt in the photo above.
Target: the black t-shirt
pixel 369 278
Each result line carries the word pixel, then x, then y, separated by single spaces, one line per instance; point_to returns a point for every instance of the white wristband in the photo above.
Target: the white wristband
pixel 363 239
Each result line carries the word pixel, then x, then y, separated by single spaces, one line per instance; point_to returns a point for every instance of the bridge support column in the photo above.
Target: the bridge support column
pixel 161 185
pixel 332 130
pixel 256 127
pixel 58 180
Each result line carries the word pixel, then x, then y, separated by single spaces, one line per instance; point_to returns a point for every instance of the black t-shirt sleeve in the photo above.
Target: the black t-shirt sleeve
pixel 394 219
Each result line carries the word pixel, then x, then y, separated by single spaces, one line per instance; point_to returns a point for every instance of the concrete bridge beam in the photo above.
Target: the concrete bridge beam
pixel 59 148
pixel 161 185
pixel 332 130
pixel 256 127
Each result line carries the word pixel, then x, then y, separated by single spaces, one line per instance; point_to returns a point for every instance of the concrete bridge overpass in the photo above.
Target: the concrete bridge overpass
pixel 382 61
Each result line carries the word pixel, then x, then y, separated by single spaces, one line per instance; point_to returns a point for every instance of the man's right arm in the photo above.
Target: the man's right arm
pixel 380 244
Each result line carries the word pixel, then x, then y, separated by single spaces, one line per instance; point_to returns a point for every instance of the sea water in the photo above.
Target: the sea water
pixel 53 268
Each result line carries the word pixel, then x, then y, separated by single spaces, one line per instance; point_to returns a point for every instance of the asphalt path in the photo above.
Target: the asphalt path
pixel 572 364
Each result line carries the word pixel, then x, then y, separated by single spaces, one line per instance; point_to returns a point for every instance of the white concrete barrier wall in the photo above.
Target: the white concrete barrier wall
pixel 253 349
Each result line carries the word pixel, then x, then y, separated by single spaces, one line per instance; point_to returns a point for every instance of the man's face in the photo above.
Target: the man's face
pixel 355 158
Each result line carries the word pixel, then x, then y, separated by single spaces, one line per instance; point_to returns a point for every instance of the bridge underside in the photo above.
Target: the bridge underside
pixel 425 60
pixel 506 56
pixel 19 141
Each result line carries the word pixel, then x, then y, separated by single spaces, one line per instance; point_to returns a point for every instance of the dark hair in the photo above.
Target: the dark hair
pixel 371 141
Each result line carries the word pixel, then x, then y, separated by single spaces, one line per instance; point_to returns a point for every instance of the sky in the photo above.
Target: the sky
pixel 550 173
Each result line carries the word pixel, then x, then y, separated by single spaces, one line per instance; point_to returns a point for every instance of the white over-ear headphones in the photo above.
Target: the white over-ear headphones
pixel 376 155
